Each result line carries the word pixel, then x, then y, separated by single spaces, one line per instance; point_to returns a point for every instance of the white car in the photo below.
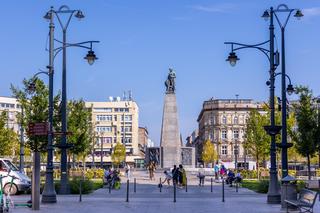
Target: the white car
pixel 21 182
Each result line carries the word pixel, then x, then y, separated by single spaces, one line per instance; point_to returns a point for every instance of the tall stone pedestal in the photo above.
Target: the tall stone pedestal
pixel 170 135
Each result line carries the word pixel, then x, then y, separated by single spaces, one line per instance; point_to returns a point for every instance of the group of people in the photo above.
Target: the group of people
pixel 220 171
pixel 177 175
pixel 112 178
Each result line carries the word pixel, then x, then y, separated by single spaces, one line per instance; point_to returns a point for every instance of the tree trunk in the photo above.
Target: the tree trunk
pixel 257 167
pixel 309 169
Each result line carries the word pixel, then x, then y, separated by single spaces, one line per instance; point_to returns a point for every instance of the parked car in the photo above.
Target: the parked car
pixel 21 182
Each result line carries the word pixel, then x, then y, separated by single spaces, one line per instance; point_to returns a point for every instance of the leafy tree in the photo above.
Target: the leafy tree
pixel 209 154
pixel 79 124
pixel 306 117
pixel 119 154
pixel 9 141
pixel 35 107
pixel 257 140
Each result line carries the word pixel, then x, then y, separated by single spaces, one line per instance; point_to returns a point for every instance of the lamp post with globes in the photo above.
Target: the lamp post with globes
pixel 283 9
pixel 49 195
pixel 273 57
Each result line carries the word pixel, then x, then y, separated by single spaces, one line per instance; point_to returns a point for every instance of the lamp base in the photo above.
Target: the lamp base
pixel 274 199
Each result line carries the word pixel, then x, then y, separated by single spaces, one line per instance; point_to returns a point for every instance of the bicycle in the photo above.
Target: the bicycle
pixel 6 203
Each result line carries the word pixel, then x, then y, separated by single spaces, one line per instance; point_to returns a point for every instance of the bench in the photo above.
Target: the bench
pixel 306 201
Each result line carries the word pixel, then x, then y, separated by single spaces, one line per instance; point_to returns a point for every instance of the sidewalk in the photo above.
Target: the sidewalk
pixel 148 199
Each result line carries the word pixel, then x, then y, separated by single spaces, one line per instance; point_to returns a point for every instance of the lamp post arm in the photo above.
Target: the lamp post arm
pixel 279 73
pixel 80 44
pixel 253 46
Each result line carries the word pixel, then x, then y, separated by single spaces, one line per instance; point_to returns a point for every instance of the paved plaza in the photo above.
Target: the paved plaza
pixel 148 199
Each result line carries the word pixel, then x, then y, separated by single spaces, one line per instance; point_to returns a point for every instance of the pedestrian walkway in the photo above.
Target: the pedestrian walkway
pixel 149 199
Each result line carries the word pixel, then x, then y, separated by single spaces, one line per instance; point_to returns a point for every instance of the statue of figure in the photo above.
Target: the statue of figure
pixel 170 82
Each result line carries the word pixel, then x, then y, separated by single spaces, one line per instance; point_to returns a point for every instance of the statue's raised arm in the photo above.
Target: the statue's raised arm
pixel 170 82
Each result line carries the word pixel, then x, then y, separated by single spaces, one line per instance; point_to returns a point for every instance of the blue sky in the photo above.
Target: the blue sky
pixel 141 39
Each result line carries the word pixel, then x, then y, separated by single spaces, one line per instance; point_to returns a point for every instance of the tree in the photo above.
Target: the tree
pixel 257 140
pixel 35 107
pixel 79 124
pixel 306 116
pixel 119 154
pixel 9 141
pixel 209 154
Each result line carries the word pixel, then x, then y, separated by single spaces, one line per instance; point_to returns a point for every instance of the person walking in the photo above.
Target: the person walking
pixel 182 176
pixel 201 175
pixel 216 171
pixel 128 172
pixel 175 174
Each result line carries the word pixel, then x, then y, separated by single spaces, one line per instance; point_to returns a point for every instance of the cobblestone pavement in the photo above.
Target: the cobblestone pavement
pixel 149 199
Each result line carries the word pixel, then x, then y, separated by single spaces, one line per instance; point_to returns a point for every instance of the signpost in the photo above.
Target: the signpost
pixel 38 129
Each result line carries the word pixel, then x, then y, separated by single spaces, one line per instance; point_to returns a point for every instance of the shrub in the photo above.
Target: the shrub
pixel 86 186
pixel 263 186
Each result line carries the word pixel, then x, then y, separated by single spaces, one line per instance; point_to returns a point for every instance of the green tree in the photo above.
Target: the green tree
pixel 9 141
pixel 209 154
pixel 256 139
pixel 35 107
pixel 79 124
pixel 119 154
pixel 306 117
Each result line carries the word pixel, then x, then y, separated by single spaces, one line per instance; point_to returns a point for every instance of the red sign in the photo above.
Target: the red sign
pixel 38 128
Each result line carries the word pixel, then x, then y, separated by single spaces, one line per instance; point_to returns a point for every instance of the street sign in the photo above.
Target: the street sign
pixel 37 129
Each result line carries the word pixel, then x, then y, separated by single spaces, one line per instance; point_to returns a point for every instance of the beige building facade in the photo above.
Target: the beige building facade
pixel 12 108
pixel 115 121
pixel 223 121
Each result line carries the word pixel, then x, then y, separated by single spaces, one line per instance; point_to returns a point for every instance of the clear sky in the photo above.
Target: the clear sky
pixel 141 39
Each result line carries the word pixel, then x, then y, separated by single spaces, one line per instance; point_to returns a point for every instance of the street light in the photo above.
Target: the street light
pixel 273 129
pixel 53 52
pixel 282 8
pixel 232 58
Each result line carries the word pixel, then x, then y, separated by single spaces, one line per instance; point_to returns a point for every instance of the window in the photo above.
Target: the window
pixel 126 117
pixel 104 129
pixel 236 134
pixel 126 129
pixel 106 140
pixel 224 134
pixel 236 120
pixel 127 140
pixel 224 150
pixel 102 109
pixel 115 117
pixel 104 117
pixel 224 119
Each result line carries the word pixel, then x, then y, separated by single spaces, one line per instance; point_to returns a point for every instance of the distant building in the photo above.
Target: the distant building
pixel 116 121
pixel 12 107
pixel 223 121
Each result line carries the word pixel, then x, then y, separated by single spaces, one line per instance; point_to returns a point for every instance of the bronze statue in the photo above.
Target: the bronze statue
pixel 170 82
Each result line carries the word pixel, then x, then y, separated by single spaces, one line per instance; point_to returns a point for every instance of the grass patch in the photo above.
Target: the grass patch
pixel 260 186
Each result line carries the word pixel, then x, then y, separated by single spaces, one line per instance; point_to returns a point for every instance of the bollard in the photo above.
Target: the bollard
pixel 174 192
pixel 80 190
pixel 134 185
pixel 160 185
pixel 110 188
pixel 319 188
pixel 211 184
pixel 222 189
pixel 236 186
pixel 127 200
pixel 186 185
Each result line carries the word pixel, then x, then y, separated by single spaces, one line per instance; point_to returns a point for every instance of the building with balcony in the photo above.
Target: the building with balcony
pixel 223 121
pixel 115 121
pixel 12 108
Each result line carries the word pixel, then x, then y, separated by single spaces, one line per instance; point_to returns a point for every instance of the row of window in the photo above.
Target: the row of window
pixel 114 117
pixel 109 129
pixel 107 109
pixel 224 150
pixel 224 134
pixel 224 120
pixel 12 106
pixel 108 140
